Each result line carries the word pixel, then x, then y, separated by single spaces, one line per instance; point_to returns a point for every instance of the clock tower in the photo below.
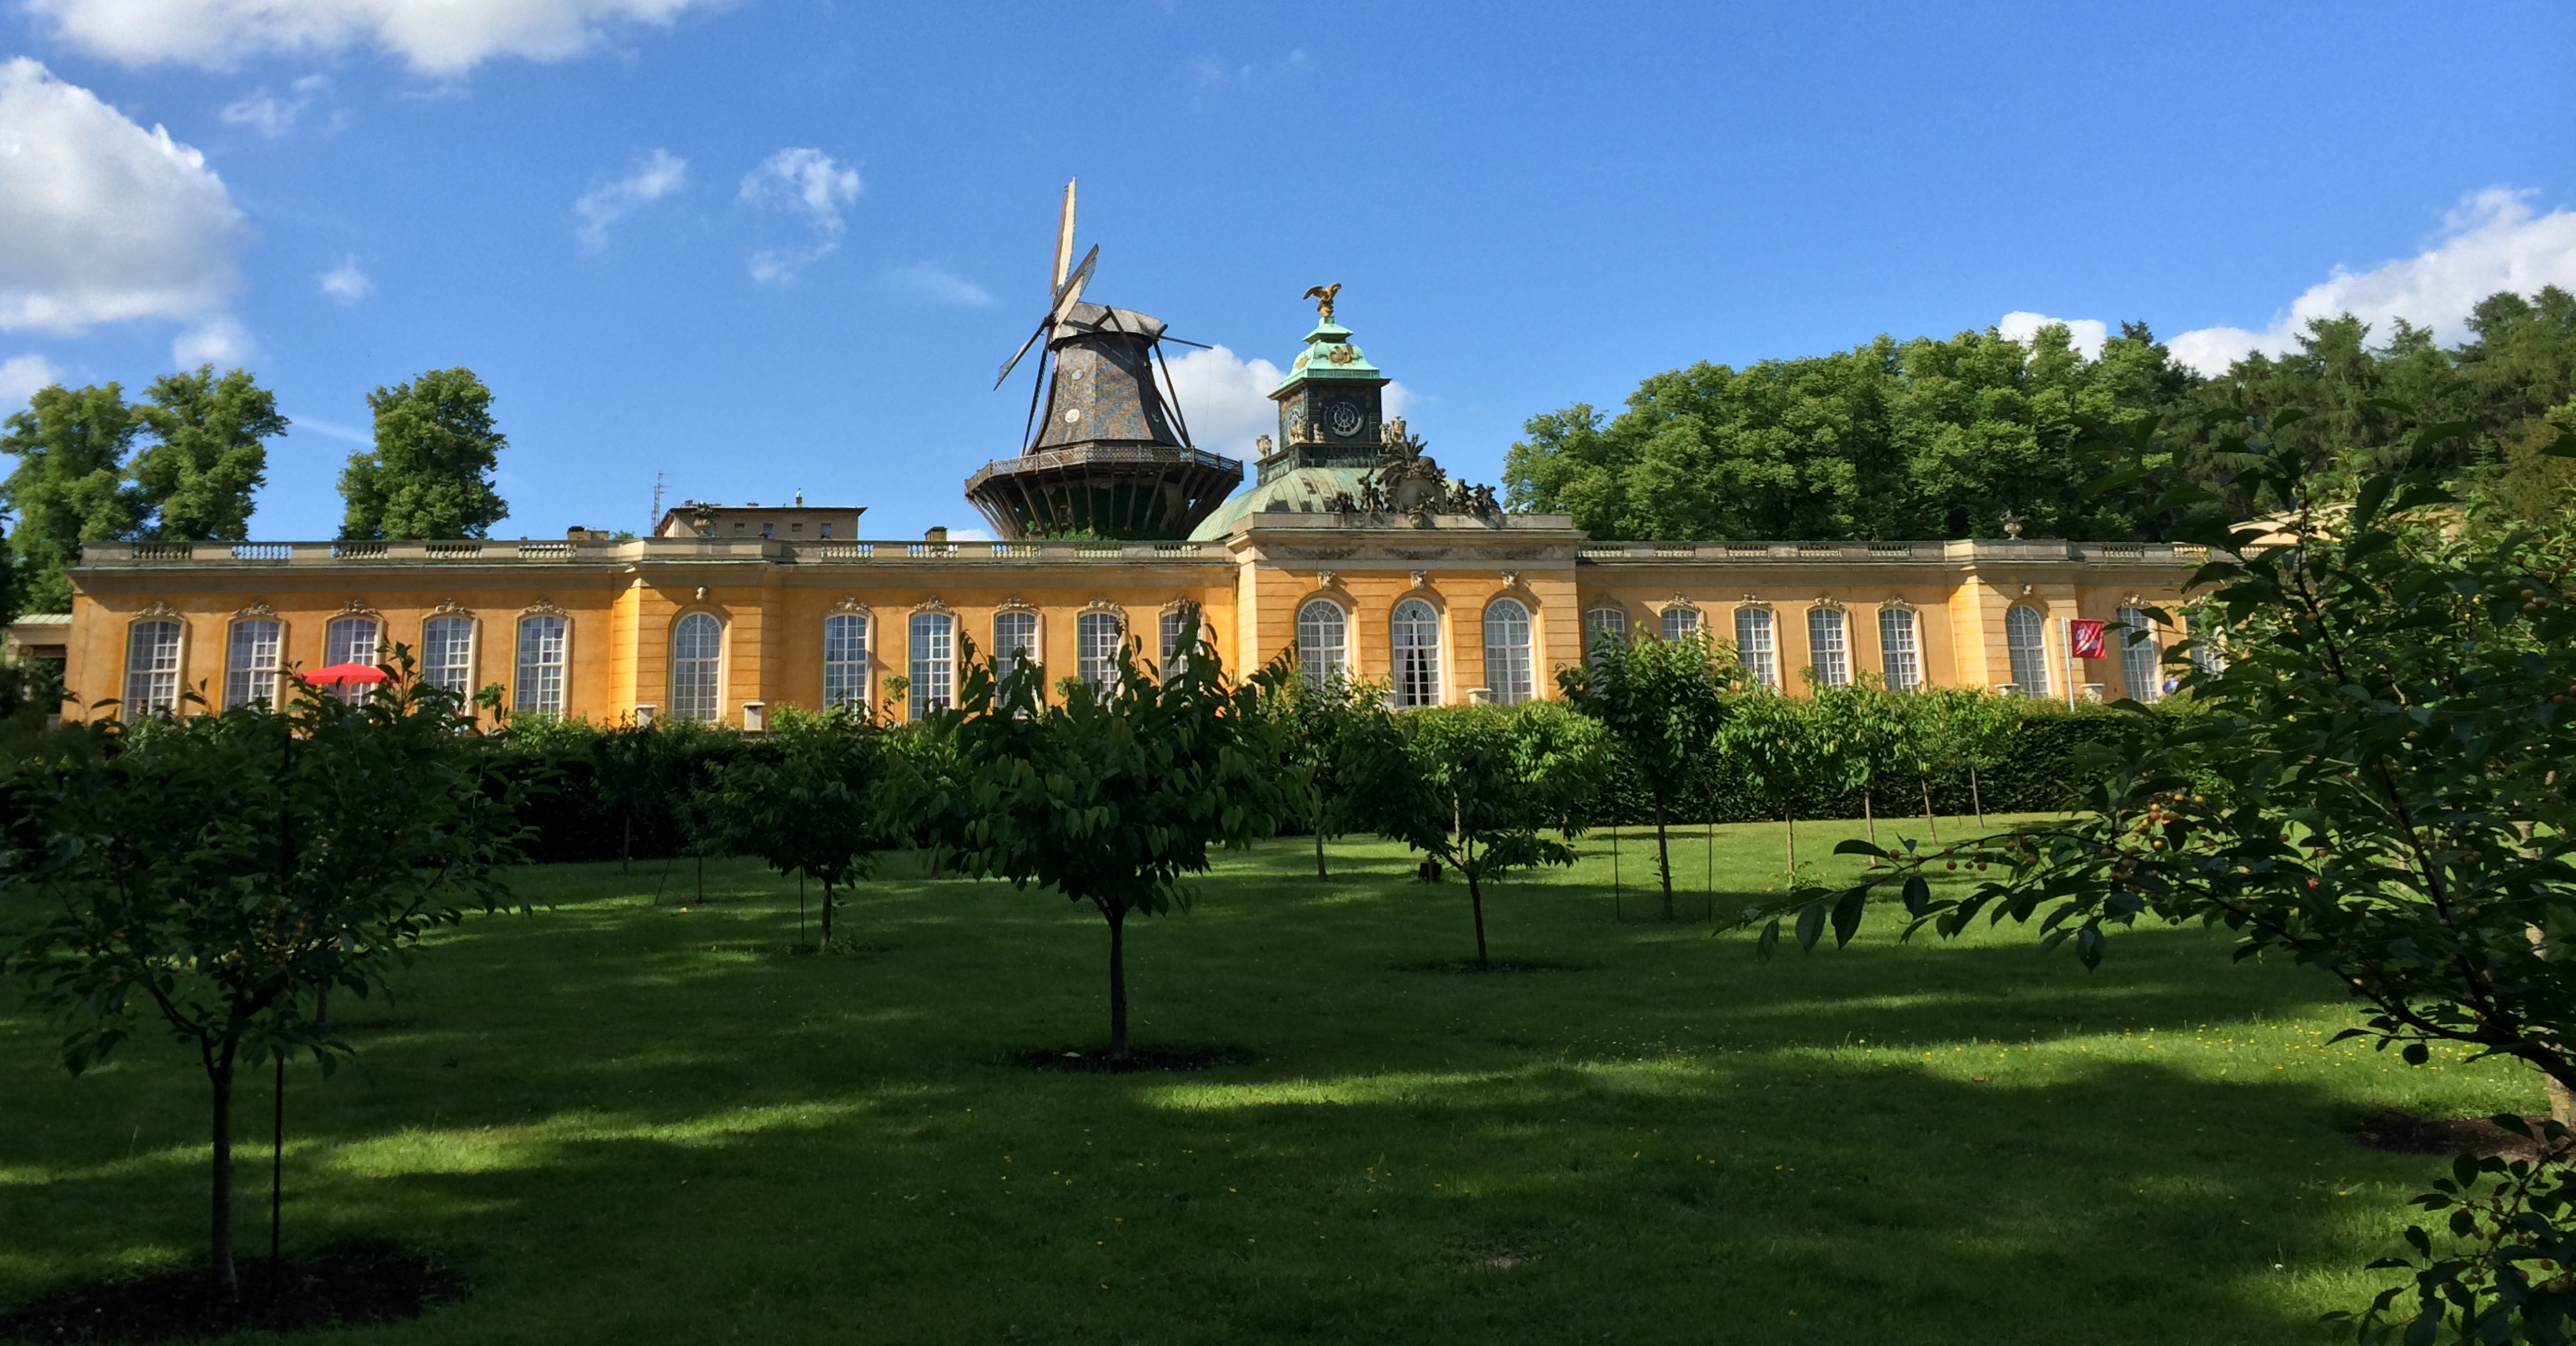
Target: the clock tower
pixel 1331 405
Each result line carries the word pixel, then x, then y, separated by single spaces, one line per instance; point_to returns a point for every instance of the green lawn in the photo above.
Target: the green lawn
pixel 638 1124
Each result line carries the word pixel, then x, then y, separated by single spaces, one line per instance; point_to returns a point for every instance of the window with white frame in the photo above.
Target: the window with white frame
pixel 1015 639
pixel 152 668
pixel 697 658
pixel 352 640
pixel 1095 649
pixel 543 642
pixel 1601 622
pixel 1507 651
pixel 934 662
pixel 1900 649
pixel 1323 641
pixel 2142 662
pixel 1756 646
pixel 1828 646
pixel 251 661
pixel 2026 640
pixel 447 654
pixel 1176 656
pixel 1414 639
pixel 2208 639
pixel 845 659
pixel 1681 622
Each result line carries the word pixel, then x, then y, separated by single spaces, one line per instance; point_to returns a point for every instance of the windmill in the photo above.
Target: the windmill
pixel 1105 449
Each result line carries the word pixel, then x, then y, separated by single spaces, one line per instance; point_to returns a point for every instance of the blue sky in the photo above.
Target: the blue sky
pixel 773 245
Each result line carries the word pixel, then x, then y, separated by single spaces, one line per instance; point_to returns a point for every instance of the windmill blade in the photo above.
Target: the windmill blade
pixel 1070 293
pixel 1014 361
pixel 1184 341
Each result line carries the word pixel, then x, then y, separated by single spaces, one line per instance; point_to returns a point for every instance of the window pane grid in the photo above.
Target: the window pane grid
pixel 2141 660
pixel 1754 647
pixel 1827 652
pixel 1507 651
pixel 845 660
pixel 1900 658
pixel 1176 660
pixel 447 653
pixel 1323 644
pixel 1680 623
pixel 250 665
pixel 151 669
pixel 697 649
pixel 1095 641
pixel 541 666
pixel 933 662
pixel 1416 632
pixel 2026 640
pixel 1015 639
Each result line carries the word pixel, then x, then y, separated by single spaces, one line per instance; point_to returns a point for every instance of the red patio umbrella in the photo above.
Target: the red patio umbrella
pixel 340 674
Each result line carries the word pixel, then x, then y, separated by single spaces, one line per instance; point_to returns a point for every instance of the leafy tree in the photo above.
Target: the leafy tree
pixel 817 810
pixel 638 768
pixel 430 472
pixel 1860 728
pixel 1973 728
pixel 1109 799
pixel 69 486
pixel 1663 702
pixel 1773 742
pixel 222 873
pixel 1342 751
pixel 2375 786
pixel 2533 487
pixel 209 453
pixel 1488 779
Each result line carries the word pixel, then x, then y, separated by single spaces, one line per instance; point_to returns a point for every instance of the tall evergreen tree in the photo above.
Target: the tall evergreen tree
pixel 430 473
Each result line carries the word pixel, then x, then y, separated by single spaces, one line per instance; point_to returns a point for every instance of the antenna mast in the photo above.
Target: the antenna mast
pixel 656 520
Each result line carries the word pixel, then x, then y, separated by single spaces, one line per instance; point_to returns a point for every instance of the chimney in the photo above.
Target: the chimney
pixel 935 535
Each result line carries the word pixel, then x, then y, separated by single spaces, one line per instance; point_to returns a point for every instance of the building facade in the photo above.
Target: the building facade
pixel 1351 553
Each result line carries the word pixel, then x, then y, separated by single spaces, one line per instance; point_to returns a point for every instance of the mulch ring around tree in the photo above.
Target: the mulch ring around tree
pixel 1492 965
pixel 2476 1137
pixel 346 1285
pixel 1095 1060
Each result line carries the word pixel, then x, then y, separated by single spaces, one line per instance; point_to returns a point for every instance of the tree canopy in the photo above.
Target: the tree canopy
pixel 1933 438
pixel 430 472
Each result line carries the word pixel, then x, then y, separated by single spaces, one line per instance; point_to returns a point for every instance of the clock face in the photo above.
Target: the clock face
pixel 1345 418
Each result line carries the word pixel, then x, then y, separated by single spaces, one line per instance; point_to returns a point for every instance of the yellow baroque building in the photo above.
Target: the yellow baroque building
pixel 1351 552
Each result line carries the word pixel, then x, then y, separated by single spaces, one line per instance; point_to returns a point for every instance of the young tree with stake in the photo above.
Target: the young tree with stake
pixel 1486 779
pixel 1664 702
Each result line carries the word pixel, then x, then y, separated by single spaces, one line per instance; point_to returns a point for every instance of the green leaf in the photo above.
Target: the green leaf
pixel 1847 913
pixel 1811 925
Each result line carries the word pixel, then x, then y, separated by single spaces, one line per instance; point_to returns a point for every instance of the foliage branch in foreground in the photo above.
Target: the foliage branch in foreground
pixel 2376 787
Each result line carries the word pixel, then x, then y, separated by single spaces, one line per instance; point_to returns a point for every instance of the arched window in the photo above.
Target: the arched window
pixel 1681 622
pixel 1015 639
pixel 1900 652
pixel 2026 639
pixel 1323 642
pixel 1600 622
pixel 697 659
pixel 352 640
pixel 1415 641
pixel 2141 660
pixel 1176 656
pixel 845 659
pixel 1095 648
pixel 1507 651
pixel 934 662
pixel 251 660
pixel 1754 646
pixel 151 669
pixel 542 642
pixel 447 654
pixel 1828 649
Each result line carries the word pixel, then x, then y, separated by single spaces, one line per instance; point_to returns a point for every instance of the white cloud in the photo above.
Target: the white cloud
pixel 806 184
pixel 655 176
pixel 22 375
pixel 273 116
pixel 217 341
pixel 103 221
pixel 2492 242
pixel 346 283
pixel 937 284
pixel 2089 333
pixel 439 37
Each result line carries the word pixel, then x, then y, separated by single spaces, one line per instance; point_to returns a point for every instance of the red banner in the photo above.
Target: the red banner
pixel 2087 636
